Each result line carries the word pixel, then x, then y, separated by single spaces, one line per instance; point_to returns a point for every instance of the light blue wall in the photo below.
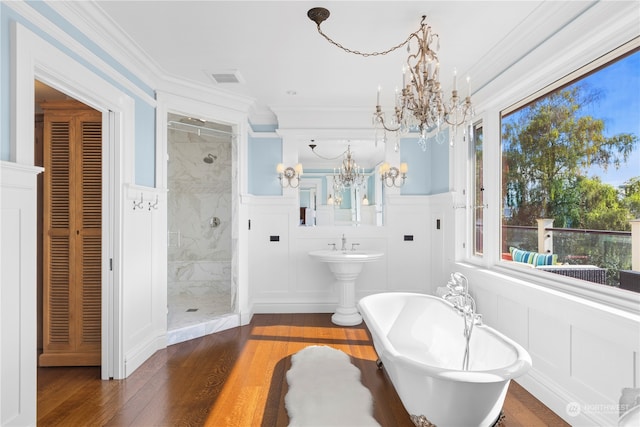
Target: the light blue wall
pixel 264 154
pixel 428 170
pixel 418 177
pixel 305 199
pixel 440 165
pixel 145 113
pixel 145 152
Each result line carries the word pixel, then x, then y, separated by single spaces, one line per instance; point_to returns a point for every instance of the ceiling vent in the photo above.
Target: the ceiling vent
pixel 226 76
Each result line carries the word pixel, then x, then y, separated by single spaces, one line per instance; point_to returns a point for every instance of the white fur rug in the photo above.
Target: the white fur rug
pixel 325 390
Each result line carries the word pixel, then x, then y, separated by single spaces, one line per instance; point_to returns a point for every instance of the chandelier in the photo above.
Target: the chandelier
pixel 420 104
pixel 348 175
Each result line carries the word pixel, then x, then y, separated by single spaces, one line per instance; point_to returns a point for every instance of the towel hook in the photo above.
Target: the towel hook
pixel 140 203
pixel 154 205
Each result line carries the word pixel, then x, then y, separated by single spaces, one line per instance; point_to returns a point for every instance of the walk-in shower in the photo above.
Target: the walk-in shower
pixel 199 221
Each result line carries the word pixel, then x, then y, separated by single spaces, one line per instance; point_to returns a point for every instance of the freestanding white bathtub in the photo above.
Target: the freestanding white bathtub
pixel 420 341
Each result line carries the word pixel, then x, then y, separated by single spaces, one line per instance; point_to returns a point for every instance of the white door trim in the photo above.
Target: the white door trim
pixel 34 58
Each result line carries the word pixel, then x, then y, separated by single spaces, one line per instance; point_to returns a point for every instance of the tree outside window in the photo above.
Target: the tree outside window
pixel 573 157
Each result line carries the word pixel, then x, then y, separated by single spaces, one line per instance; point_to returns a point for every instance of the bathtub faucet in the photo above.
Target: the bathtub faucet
pixel 458 295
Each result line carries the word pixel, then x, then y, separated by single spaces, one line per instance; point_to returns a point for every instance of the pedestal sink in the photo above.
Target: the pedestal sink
pixel 346 266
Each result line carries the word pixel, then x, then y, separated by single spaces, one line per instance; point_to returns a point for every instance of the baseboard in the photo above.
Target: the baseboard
pixel 273 307
pixel 138 355
pixel 246 316
pixel 211 326
pixel 69 359
pixel 559 400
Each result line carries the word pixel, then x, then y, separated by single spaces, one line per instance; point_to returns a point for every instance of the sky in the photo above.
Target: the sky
pixel 620 110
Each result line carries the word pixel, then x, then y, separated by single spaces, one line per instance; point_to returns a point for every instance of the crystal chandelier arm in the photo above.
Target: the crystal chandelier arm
pixel 379 118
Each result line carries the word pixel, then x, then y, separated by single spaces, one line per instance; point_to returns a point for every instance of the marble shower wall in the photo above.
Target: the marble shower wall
pixel 199 254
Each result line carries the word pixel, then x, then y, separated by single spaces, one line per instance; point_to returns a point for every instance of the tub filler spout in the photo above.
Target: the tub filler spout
pixel 459 296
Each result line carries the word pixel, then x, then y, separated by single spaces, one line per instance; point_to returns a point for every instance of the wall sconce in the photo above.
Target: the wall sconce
pixel 389 174
pixel 365 201
pixel 292 175
pixel 330 200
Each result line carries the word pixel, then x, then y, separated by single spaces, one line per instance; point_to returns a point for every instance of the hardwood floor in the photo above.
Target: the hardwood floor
pixel 233 378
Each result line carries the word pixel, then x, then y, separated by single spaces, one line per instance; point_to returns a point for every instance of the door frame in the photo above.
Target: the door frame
pixel 33 58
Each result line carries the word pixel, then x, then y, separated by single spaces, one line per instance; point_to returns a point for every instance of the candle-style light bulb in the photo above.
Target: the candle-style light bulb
pixel 378 99
pixel 455 78
pixel 469 86
pixel 404 76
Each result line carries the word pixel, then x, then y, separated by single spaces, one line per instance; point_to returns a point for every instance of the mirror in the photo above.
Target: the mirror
pixel 322 202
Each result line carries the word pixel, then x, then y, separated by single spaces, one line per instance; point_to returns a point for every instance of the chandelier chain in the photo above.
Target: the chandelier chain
pixel 421 104
pixel 366 54
pixel 313 150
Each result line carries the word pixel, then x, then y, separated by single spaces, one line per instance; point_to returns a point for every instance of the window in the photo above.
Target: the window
pixel 571 173
pixel 478 187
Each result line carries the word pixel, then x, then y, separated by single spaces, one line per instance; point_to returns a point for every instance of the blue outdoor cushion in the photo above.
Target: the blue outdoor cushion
pixel 533 258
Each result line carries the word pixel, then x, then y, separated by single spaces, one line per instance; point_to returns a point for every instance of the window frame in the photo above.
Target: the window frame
pixel 490 119
pixel 475 197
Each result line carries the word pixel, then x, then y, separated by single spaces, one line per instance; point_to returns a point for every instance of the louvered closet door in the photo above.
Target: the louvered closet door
pixel 72 236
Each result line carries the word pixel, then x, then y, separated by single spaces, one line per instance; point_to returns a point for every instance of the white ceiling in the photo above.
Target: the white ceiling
pixel 276 49
pixel 285 64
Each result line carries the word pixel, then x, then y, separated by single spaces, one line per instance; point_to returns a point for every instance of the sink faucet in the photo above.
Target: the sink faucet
pixel 344 243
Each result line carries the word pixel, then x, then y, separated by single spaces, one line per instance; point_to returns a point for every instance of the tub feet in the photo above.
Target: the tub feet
pixel 422 421
pixel 379 364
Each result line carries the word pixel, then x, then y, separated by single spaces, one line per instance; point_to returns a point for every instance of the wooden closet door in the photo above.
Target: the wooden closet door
pixel 72 235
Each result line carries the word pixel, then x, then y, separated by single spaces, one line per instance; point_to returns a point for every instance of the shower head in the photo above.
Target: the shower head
pixel 192 121
pixel 210 158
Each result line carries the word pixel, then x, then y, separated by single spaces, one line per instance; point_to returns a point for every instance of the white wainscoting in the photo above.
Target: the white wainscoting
pixel 584 353
pixel 18 294
pixel 283 278
pixel 144 274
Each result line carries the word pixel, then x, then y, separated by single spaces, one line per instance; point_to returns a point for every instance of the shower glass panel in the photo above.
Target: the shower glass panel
pixel 199 221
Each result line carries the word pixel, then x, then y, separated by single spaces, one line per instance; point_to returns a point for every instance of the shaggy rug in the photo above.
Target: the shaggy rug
pixel 325 390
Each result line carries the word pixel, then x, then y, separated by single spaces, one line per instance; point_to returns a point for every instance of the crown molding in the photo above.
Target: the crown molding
pixel 45 25
pixel 601 27
pixel 91 19
pixel 323 117
pixel 97 25
pixel 198 92
pixel 525 37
